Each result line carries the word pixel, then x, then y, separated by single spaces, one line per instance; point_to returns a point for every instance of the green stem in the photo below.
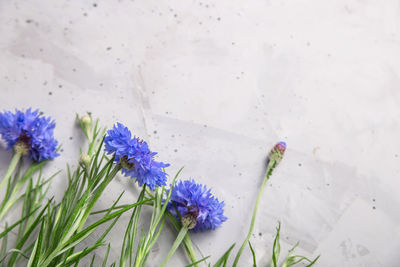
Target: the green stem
pixel 13 197
pixel 178 241
pixel 270 168
pixel 13 164
pixel 189 249
pixel 187 241
pixel 97 193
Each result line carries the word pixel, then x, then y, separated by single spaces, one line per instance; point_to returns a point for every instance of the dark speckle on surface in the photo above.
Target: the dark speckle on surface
pixel 260 234
pixel 94 5
pixel 299 164
pixel 175 150
pixel 28 21
pixel 109 48
pixel 374 208
pixel 85 14
pixel 154 132
pixel 59 86
pixel 50 93
pixel 70 138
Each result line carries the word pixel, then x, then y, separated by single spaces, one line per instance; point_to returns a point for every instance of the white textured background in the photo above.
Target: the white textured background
pixel 212 85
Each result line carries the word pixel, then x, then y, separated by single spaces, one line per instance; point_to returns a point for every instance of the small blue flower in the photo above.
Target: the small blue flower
pixel 135 157
pixel 31 132
pixel 187 197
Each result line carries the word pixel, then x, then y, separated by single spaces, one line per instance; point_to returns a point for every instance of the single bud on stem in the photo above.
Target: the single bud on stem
pixel 277 152
pixel 86 120
pixel 274 157
pixel 86 124
pixel 84 160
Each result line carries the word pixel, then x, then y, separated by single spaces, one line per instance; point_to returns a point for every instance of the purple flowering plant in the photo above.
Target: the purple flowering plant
pixel 191 199
pixel 25 133
pixel 135 157
pixel 58 228
pixel 29 133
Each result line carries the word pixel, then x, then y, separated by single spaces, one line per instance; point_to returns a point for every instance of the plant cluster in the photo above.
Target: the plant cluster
pixel 51 233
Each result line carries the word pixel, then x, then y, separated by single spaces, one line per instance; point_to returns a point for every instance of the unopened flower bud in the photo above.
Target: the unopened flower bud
pixel 277 152
pixel 85 160
pixel 86 120
pixel 189 221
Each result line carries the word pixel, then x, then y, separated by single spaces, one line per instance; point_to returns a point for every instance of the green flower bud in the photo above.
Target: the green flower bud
pixel 84 159
pixel 86 120
pixel 86 124
pixel 189 221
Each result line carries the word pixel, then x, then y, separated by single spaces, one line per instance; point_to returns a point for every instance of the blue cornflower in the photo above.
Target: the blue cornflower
pixel 29 133
pixel 189 198
pixel 135 157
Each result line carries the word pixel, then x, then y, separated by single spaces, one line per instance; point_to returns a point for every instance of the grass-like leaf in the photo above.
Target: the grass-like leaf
pixel 197 262
pixel 224 258
pixel 253 254
pixel 276 248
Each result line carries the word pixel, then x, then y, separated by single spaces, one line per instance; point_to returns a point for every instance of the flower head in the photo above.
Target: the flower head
pixel 189 198
pixel 135 157
pixel 29 133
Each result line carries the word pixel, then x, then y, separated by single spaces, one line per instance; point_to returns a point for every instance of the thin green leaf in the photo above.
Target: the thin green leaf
pixel 313 262
pixel 92 262
pixel 197 262
pixel 106 256
pixel 224 257
pixel 253 254
pixel 276 248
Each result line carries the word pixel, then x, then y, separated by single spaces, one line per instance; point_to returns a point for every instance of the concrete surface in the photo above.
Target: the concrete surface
pixel 212 86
